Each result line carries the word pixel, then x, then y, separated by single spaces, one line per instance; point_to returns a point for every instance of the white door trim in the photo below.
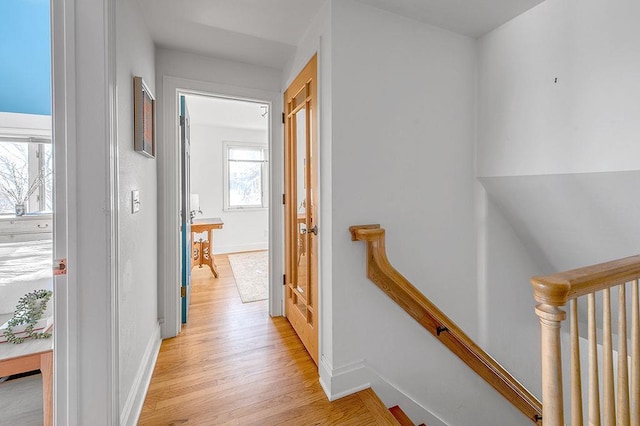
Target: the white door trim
pixel 112 200
pixel 85 225
pixel 65 310
pixel 168 193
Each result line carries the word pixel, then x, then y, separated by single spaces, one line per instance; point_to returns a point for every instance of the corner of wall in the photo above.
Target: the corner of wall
pixel 392 395
pixel 345 380
pixel 356 376
pixel 481 211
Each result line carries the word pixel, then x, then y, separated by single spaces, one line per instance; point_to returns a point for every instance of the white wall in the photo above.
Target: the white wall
pixel 402 155
pixel 202 68
pixel 403 87
pixel 243 230
pixel 137 276
pixel 510 327
pixel 317 40
pixel 557 158
pixel 588 120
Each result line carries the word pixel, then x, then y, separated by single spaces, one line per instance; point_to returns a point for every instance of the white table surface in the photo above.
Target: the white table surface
pixel 28 347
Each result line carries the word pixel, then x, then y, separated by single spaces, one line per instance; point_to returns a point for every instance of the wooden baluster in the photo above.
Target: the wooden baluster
pixel 609 418
pixel 552 409
pixel 594 385
pixel 635 355
pixel 576 380
pixel 623 366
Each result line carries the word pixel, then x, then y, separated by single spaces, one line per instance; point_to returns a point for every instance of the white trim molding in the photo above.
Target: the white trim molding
pixel 342 381
pixel 168 198
pixel 392 395
pixel 84 130
pixel 25 127
pixel 264 173
pixel 356 376
pixel 65 295
pixel 112 190
pixel 135 400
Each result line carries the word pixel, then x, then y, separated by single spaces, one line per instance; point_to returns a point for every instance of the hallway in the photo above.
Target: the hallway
pixel 233 364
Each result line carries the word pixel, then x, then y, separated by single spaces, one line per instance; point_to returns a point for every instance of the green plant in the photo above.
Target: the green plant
pixel 29 310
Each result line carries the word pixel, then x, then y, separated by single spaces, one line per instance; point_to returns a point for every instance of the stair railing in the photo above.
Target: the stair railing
pixel 398 288
pixel 555 291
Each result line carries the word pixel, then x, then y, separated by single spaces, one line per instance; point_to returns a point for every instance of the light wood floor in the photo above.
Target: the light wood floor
pixel 234 365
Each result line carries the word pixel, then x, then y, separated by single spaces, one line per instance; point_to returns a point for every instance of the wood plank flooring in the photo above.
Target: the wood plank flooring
pixel 234 365
pixel 21 402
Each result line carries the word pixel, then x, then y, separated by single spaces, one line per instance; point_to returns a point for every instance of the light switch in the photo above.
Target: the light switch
pixel 135 201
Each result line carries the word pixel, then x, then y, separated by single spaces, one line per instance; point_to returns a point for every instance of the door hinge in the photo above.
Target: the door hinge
pixel 283 118
pixel 284 279
pixel 284 199
pixel 182 120
pixel 183 292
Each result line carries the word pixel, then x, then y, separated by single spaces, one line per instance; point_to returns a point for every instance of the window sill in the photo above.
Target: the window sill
pixel 27 216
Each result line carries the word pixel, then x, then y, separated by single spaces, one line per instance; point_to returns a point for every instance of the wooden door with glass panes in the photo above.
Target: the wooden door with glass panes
pixel 301 207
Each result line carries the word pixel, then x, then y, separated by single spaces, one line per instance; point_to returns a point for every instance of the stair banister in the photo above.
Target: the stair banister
pixel 620 405
pixel 398 288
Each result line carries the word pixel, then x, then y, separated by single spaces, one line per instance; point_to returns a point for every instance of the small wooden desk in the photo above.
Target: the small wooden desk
pixel 203 250
pixel 28 356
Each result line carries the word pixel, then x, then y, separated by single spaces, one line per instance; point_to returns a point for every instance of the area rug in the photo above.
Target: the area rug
pixel 251 272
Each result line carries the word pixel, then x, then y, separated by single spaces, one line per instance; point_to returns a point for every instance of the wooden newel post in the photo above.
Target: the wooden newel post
pixel 552 403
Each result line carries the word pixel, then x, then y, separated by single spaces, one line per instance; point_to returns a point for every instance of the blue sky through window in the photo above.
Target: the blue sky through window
pixel 25 57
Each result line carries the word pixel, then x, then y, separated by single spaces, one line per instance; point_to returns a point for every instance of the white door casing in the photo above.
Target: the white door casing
pixel 169 196
pixel 85 221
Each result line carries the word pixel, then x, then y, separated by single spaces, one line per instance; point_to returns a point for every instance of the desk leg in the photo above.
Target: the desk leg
pixel 214 268
pixel 46 367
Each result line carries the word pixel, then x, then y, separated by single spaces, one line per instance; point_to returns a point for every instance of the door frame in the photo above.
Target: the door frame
pixel 86 335
pixel 186 244
pixel 63 142
pixel 169 197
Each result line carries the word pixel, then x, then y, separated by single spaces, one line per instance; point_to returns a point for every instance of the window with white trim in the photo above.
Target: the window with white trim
pixel 246 168
pixel 25 176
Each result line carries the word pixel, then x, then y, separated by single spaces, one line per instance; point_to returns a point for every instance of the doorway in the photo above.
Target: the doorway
pixel 225 192
pixel 26 214
pixel 169 199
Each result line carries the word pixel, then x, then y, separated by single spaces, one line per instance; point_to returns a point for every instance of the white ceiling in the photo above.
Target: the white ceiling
pixel 251 31
pixel 220 112
pixel 472 18
pixel 266 32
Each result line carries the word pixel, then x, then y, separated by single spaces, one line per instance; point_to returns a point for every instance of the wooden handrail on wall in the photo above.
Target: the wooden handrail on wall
pixel 620 405
pixel 398 288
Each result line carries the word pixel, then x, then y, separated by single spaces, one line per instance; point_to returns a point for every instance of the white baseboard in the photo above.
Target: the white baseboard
pixel 236 248
pixel 345 380
pixel 135 400
pixel 354 377
pixel 391 395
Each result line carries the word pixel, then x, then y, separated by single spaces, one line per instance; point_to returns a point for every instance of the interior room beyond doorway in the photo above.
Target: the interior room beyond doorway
pixel 229 180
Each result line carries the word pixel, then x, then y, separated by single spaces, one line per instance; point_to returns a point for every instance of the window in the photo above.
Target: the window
pixel 25 177
pixel 245 176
